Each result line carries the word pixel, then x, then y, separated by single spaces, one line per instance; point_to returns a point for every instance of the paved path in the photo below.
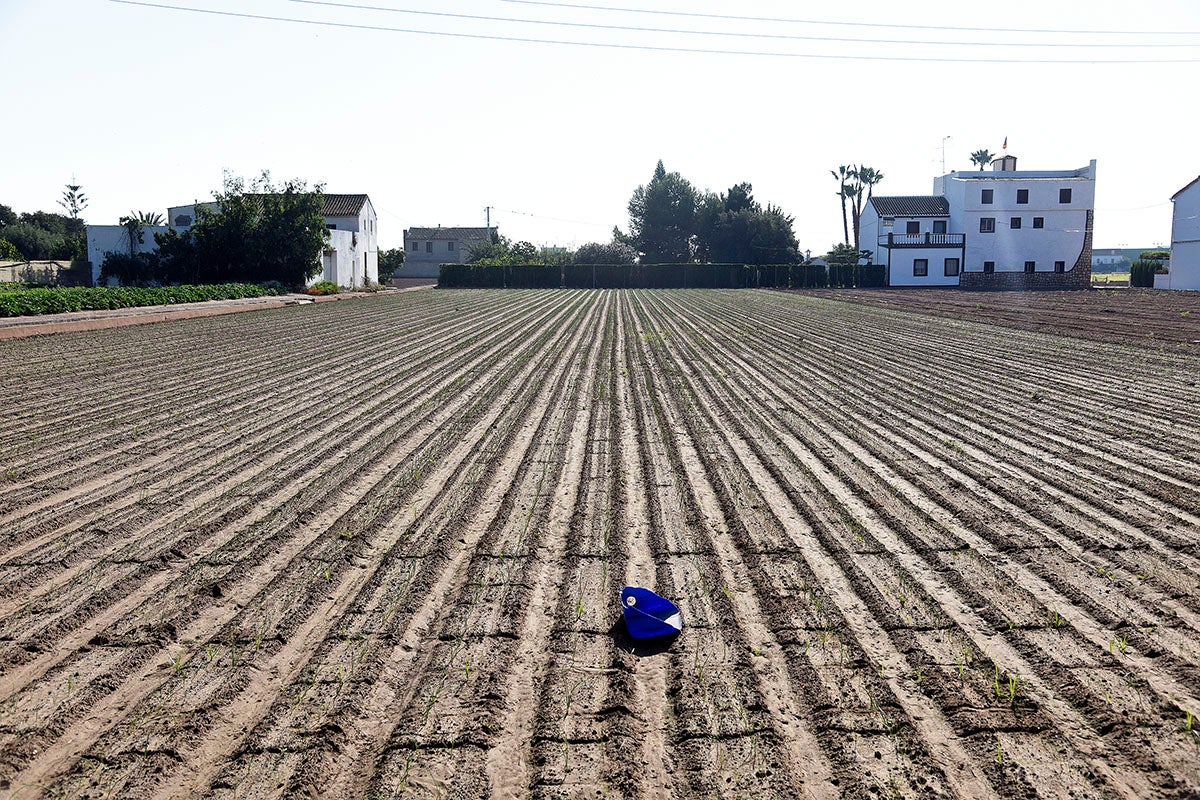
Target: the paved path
pixel 73 321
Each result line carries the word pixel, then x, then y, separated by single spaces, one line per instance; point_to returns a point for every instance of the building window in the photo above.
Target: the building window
pixel 888 221
pixel 1030 266
pixel 987 224
pixel 1022 196
pixel 939 226
pixel 414 246
pixel 912 227
pixel 920 267
pixel 1039 222
pixel 951 267
pixel 1015 223
pixel 429 247
pixel 1060 266
pixel 331 226
pixel 450 246
pixel 1064 195
pixel 986 196
pixel 183 221
pixel 989 267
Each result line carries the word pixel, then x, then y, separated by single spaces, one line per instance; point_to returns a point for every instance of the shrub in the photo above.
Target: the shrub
pixel 322 288
pixel 1141 274
pixel 27 302
pixel 9 251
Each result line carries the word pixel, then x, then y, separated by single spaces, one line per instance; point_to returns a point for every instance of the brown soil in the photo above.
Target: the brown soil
pixel 1150 317
pixel 373 549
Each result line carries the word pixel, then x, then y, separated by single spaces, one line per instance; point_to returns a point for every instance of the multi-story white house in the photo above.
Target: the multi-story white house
pixel 1184 269
pixel 427 248
pixel 999 229
pixel 351 255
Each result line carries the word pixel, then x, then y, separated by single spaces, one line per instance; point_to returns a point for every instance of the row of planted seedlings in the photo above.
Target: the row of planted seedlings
pixel 351 647
pixel 468 662
pixel 736 717
pixel 281 554
pixel 231 511
pixel 992 602
pixel 1059 379
pixel 1134 558
pixel 566 668
pixel 826 641
pixel 231 412
pixel 398 590
pixel 868 584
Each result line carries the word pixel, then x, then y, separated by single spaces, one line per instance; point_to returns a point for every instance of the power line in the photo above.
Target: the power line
pixel 728 34
pixel 552 219
pixel 646 47
pixel 794 21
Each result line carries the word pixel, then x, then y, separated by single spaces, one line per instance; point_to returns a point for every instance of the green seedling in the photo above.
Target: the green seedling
pixel 178 663
pixel 1056 619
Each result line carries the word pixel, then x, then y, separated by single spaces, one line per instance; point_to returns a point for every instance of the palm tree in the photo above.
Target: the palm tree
pixel 151 218
pixel 863 180
pixel 843 175
pixel 982 158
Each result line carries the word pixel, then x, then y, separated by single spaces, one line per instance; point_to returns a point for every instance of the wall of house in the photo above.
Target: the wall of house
pixel 365 243
pixel 339 260
pixel 1185 243
pixel 900 270
pixel 102 239
pixel 421 264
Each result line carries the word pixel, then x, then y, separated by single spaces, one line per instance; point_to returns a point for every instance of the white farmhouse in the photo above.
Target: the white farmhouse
pixel 1184 269
pixel 351 255
pixel 426 248
pixel 1003 229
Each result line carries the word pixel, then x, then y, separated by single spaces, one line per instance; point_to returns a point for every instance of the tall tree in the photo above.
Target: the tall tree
pixel 982 158
pixel 733 228
pixel 662 219
pixel 862 186
pixel 74 200
pixel 842 176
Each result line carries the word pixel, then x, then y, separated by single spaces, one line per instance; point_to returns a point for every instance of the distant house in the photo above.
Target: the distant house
pixel 351 255
pixel 426 248
pixel 1003 229
pixel 1110 259
pixel 1184 270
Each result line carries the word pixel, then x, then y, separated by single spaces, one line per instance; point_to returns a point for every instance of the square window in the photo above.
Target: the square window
pixel 989 267
pixel 987 224
pixel 429 247
pixel 450 246
pixel 986 196
pixel 939 226
pixel 414 246
pixel 912 227
pixel 1022 196
pixel 1060 266
pixel 1039 222
pixel 1064 195
pixel 888 222
pixel 951 267
pixel 1030 266
pixel 920 267
pixel 1015 223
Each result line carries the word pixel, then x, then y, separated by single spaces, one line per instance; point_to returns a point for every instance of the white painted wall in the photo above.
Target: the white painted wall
pixel 1185 243
pixel 901 269
pixel 102 239
pixel 1061 238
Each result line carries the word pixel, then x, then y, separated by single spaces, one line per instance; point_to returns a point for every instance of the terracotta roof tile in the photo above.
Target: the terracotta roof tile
pixel 911 206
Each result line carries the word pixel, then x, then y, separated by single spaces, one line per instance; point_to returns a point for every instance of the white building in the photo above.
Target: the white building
pixel 1184 269
pixel 426 248
pixel 105 239
pixel 351 255
pixel 999 229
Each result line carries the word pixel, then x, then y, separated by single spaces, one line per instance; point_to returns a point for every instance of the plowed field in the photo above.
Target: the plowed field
pixel 373 549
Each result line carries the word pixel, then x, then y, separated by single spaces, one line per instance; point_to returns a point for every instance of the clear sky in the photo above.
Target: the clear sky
pixel 146 106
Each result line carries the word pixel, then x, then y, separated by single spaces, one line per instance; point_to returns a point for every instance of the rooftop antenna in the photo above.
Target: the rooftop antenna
pixel 944 138
pixel 488 210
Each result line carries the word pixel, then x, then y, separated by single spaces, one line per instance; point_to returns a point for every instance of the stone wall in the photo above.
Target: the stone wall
pixel 1078 276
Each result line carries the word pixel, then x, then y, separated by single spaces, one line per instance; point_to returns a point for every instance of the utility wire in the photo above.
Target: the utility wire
pixel 650 48
pixel 552 219
pixel 789 20
pixel 731 34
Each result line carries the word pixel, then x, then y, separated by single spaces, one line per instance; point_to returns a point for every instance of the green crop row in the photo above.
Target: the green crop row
pixel 56 300
pixel 658 276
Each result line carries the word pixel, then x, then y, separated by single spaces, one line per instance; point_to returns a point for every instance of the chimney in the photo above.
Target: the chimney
pixel 1005 164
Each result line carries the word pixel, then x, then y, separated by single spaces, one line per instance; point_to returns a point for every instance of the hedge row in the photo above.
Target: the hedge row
pixel 1141 274
pixel 27 302
pixel 657 276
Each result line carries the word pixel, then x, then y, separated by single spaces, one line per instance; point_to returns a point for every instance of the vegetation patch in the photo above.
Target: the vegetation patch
pixel 23 302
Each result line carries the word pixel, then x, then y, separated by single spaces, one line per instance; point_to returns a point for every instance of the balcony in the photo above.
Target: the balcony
pixel 898 240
